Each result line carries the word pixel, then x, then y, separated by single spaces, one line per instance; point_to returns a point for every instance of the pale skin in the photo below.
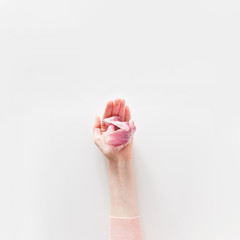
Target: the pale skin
pixel 120 169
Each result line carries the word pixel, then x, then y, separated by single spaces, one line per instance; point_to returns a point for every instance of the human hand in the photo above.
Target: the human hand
pixel 116 108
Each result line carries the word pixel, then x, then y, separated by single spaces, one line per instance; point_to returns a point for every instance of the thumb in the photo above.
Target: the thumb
pixel 97 127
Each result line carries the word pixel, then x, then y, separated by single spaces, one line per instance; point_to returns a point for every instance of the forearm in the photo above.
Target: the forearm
pixel 122 188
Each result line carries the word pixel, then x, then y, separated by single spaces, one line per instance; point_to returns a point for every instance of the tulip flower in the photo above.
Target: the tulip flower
pixel 118 133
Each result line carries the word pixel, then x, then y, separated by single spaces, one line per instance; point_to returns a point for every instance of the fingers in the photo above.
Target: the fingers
pixel 108 110
pixel 107 113
pixel 96 129
pixel 127 114
pixel 116 107
pixel 122 110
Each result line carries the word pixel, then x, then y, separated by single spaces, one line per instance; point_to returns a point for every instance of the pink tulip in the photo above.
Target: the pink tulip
pixel 119 133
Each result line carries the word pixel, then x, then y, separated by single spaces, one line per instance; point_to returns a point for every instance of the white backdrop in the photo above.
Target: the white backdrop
pixel 177 65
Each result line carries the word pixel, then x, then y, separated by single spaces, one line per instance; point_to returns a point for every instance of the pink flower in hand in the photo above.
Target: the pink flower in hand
pixel 118 133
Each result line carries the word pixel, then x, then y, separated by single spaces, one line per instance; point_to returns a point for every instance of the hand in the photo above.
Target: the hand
pixel 116 108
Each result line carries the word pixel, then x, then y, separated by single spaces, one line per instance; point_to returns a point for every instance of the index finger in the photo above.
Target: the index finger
pixel 108 110
pixel 107 113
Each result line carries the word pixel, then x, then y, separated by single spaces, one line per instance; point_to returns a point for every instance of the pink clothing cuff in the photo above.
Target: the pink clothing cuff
pixel 125 228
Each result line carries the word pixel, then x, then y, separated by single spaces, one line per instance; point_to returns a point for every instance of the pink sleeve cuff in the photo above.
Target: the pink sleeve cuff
pixel 125 228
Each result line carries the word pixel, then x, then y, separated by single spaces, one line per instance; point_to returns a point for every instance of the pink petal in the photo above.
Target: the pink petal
pixel 111 128
pixel 113 118
pixel 118 137
pixel 116 121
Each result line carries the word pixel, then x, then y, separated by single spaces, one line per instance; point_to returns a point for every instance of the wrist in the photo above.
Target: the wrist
pixel 120 165
pixel 114 157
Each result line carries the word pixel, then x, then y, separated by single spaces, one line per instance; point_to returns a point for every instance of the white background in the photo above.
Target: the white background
pixel 177 65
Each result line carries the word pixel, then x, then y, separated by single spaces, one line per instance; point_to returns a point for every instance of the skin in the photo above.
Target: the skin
pixel 120 169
